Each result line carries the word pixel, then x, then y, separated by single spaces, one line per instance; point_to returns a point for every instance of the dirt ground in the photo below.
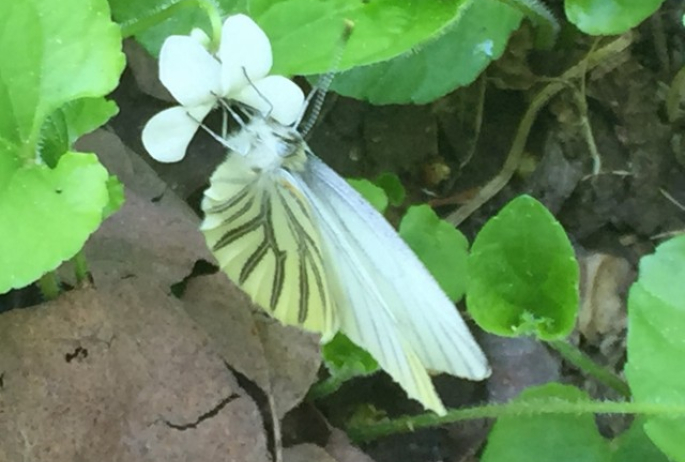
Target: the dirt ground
pixel 605 153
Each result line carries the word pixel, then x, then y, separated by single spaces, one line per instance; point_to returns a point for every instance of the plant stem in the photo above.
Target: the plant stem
pixel 80 267
pixel 140 24
pixel 362 433
pixel 214 14
pixel 49 285
pixel 515 155
pixel 328 386
pixel 584 363
pixel 543 19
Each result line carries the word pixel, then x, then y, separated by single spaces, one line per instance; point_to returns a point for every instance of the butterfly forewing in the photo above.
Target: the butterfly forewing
pixel 260 230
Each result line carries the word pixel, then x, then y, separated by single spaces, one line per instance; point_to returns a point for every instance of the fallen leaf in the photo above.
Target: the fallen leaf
pixel 155 232
pixel 306 453
pixel 605 280
pixel 119 373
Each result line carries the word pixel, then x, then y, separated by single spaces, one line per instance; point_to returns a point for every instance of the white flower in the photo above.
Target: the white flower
pixel 197 80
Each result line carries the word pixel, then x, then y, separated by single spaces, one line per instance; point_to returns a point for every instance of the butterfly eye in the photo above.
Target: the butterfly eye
pixel 288 148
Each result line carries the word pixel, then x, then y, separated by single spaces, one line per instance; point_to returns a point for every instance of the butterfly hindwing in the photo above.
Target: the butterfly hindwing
pixel 390 304
pixel 260 229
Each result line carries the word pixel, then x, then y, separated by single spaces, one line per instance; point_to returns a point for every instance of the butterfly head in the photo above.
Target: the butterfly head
pixel 267 145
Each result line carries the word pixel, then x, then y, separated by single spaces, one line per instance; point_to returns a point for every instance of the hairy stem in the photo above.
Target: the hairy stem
pixel 584 363
pixel 362 433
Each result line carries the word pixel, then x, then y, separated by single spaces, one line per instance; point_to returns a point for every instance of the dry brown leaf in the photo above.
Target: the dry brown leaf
pixel 119 374
pixel 281 360
pixel 605 280
pixel 342 450
pixel 145 70
pixel 306 453
pixel 161 237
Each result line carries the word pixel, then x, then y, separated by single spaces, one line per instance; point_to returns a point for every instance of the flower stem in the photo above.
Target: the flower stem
pixel 584 363
pixel 49 285
pixel 213 11
pixel 362 433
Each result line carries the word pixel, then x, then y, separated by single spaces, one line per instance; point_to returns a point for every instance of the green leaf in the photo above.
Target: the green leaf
pixel 306 34
pixel 344 358
pixel 439 245
pixel 478 36
pixel 609 17
pixel 375 195
pixel 656 327
pixel 57 65
pixel 634 446
pixel 523 274
pixel 543 438
pixel 393 188
pixel 344 361
pixel 51 56
pixel 50 214
pixel 115 191
pixel 73 120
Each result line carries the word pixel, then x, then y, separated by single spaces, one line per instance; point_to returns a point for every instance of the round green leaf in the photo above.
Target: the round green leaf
pixel 656 329
pixel 49 214
pixel 478 36
pixel 375 195
pixel 609 17
pixel 523 276
pixel 393 188
pixel 441 247
pixel 549 437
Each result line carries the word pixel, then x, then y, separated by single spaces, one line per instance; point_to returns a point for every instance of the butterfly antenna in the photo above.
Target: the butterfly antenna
pixel 227 108
pixel 319 91
pixel 261 95
pixel 221 139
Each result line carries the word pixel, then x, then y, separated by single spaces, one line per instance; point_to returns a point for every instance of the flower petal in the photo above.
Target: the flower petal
pixel 274 96
pixel 244 49
pixel 166 136
pixel 192 75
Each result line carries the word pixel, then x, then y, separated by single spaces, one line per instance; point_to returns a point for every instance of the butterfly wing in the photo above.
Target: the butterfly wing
pixel 388 302
pixel 260 229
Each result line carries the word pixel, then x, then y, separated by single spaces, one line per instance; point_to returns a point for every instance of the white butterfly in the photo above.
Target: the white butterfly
pixel 313 253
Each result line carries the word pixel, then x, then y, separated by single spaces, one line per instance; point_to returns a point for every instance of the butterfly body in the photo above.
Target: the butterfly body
pixel 313 253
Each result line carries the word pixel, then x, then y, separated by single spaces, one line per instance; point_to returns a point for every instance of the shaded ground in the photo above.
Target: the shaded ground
pixel 616 204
